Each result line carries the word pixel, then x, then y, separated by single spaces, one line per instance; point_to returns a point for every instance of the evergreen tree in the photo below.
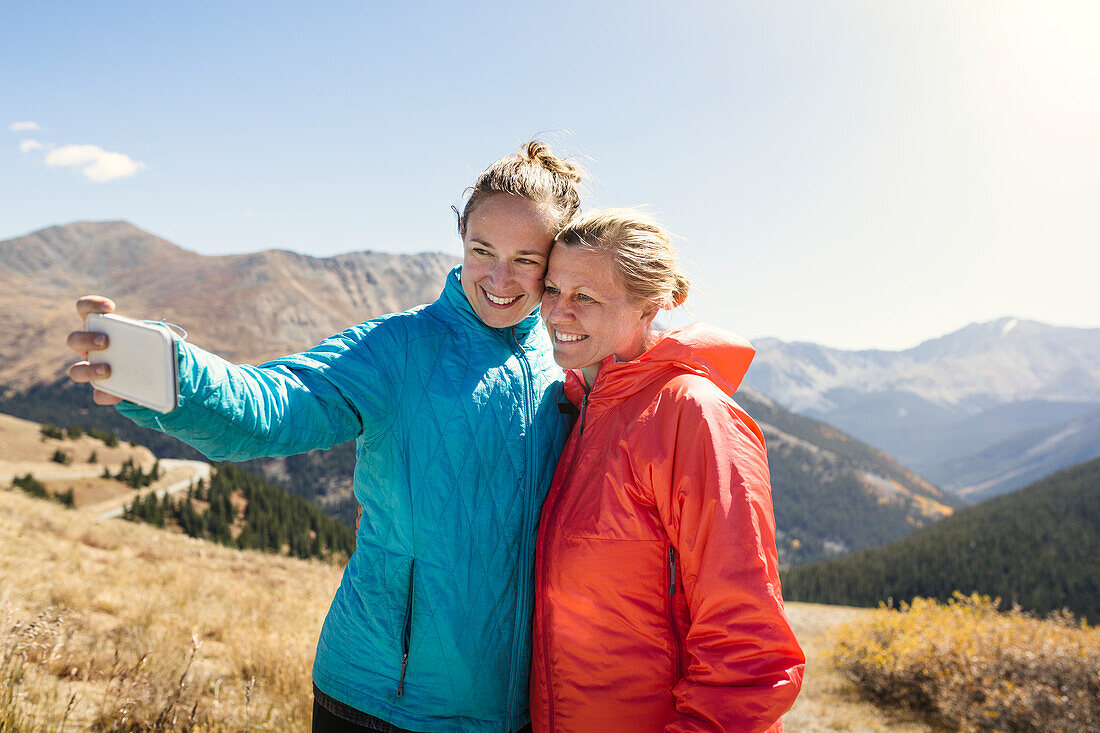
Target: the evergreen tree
pixel 1038 547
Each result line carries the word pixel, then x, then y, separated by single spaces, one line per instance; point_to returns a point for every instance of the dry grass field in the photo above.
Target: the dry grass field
pixel 98 620
pixel 830 702
pixel 24 450
pixel 117 626
pixel 113 626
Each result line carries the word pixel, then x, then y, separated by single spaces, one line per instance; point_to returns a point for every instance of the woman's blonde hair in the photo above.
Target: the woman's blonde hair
pixel 536 174
pixel 641 249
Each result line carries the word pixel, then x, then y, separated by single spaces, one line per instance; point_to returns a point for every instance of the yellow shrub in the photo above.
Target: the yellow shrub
pixel 968 665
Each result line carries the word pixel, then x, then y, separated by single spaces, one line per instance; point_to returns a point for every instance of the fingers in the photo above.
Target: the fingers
pixel 102 398
pixel 94 304
pixel 84 341
pixel 82 371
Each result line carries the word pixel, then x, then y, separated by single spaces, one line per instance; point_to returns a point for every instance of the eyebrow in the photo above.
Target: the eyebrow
pixel 535 252
pixel 588 290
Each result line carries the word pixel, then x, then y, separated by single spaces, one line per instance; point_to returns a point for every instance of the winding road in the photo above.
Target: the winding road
pixel 178 475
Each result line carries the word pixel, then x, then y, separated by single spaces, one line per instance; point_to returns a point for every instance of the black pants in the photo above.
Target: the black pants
pixel 326 722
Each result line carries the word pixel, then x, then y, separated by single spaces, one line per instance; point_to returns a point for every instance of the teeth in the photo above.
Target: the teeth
pixel 569 338
pixel 500 301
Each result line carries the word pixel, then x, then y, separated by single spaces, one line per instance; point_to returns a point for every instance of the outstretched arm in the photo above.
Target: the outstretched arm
pixel 228 412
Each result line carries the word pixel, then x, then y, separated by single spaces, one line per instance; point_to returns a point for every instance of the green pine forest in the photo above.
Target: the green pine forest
pixel 66 403
pixel 1038 548
pixel 272 520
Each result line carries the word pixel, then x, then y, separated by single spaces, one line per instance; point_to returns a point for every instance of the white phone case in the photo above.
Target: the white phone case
pixel 142 358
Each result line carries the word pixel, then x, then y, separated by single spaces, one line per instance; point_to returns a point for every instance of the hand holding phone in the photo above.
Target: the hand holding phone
pixel 142 357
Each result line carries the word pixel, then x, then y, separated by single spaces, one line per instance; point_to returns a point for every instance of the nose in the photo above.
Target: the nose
pixel 500 277
pixel 559 311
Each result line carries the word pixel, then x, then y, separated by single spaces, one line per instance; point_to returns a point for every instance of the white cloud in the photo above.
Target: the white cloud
pixel 95 163
pixel 23 126
pixel 28 145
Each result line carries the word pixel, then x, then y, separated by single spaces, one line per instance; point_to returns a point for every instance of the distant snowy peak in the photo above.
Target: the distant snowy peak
pixel 983 364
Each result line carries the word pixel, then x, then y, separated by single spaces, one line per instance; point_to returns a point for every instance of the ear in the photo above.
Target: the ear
pixel 648 314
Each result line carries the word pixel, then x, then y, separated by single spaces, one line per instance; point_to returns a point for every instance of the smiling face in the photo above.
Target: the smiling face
pixel 505 243
pixel 591 316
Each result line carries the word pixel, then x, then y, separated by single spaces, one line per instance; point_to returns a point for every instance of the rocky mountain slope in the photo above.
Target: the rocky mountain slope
pixel 833 493
pixel 938 406
pixel 248 307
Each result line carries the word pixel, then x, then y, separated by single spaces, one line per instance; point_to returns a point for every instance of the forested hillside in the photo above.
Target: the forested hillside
pixel 1038 547
pixel 271 520
pixel 223 503
pixel 832 494
pixel 322 477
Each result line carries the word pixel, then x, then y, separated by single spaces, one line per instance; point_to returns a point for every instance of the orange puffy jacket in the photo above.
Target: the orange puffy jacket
pixel 658 605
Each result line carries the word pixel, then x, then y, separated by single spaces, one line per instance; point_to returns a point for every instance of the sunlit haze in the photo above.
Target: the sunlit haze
pixel 860 174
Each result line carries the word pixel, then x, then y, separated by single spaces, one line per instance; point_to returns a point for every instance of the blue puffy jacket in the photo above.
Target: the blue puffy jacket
pixel 458 430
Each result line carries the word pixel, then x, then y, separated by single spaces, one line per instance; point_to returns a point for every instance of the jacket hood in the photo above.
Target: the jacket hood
pixel 720 356
pixel 455 298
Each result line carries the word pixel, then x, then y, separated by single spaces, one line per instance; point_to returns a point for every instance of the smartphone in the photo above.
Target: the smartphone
pixel 142 357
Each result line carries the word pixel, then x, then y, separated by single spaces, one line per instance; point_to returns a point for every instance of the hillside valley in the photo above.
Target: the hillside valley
pixel 833 494
pixel 1038 547
pixel 97 474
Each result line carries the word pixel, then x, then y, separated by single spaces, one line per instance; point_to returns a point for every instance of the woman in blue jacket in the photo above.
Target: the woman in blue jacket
pixel 454 407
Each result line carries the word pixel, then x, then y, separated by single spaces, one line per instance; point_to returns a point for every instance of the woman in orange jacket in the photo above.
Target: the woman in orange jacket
pixel 658 606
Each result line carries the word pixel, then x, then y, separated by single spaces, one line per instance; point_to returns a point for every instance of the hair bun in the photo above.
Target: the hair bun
pixel 539 153
pixel 536 174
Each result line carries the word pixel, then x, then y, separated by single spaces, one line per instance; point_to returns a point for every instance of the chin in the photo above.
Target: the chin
pixel 499 319
pixel 565 362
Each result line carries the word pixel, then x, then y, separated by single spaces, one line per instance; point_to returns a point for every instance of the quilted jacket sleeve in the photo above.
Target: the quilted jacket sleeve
pixel 316 399
pixel 744 665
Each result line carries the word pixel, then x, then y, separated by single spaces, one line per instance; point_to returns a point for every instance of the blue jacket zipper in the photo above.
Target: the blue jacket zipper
pixel 528 379
pixel 406 632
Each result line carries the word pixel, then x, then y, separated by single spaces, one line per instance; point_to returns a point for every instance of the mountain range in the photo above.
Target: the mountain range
pixel 979 412
pixel 833 493
pixel 248 307
pixel 1038 547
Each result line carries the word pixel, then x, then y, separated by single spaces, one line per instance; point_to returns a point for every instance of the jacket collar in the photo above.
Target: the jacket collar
pixel 454 298
pixel 720 356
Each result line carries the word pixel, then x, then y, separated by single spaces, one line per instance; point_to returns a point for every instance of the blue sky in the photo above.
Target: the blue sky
pixel 861 173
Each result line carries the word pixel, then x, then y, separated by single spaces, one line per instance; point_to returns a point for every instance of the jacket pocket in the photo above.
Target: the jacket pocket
pixel 406 631
pixel 677 644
